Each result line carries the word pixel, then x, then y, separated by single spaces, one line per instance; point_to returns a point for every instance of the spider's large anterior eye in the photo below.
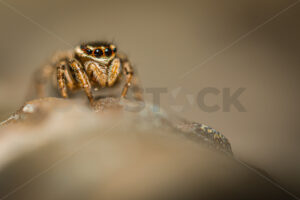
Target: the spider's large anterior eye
pixel 98 53
pixel 89 51
pixel 108 52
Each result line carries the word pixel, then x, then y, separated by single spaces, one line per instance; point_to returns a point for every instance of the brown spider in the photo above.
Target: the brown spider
pixel 91 65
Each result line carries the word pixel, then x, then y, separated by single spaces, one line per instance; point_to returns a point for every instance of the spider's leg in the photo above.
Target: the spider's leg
pixel 129 74
pixel 61 79
pixel 97 73
pixel 131 80
pixel 71 83
pixel 82 78
pixel 41 76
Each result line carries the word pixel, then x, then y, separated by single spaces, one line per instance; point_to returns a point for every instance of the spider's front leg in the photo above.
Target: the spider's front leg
pixel 82 79
pixel 64 79
pixel 131 80
pixel 128 71
pixel 61 79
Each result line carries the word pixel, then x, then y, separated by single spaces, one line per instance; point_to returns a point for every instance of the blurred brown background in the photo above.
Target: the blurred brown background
pixel 165 39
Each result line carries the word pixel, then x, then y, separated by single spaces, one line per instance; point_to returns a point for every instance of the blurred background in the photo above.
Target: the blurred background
pixel 252 44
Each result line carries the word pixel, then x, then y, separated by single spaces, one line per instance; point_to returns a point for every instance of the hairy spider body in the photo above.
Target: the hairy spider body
pixel 89 66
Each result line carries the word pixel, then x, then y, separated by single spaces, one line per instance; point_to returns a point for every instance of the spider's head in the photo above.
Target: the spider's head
pixel 101 52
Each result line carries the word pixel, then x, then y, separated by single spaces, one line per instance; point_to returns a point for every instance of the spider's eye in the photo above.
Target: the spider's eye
pixel 114 49
pixel 98 53
pixel 89 51
pixel 108 52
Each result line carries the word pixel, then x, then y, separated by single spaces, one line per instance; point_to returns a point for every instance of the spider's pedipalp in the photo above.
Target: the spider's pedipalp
pixel 114 71
pixel 97 73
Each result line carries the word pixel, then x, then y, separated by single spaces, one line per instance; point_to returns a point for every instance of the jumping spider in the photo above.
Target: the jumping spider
pixel 89 66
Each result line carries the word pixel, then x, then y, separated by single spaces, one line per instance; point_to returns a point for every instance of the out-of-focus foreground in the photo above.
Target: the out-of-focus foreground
pixel 60 149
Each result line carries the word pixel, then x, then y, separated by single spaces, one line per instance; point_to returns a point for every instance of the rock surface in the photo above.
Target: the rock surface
pixel 62 149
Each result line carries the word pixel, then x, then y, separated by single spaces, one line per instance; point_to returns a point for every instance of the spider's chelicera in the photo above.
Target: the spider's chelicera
pixel 92 64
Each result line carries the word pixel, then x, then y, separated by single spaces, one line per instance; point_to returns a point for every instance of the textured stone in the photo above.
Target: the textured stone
pixel 63 149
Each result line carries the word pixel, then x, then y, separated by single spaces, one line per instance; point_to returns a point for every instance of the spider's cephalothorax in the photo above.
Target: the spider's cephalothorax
pixel 100 62
pixel 92 64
